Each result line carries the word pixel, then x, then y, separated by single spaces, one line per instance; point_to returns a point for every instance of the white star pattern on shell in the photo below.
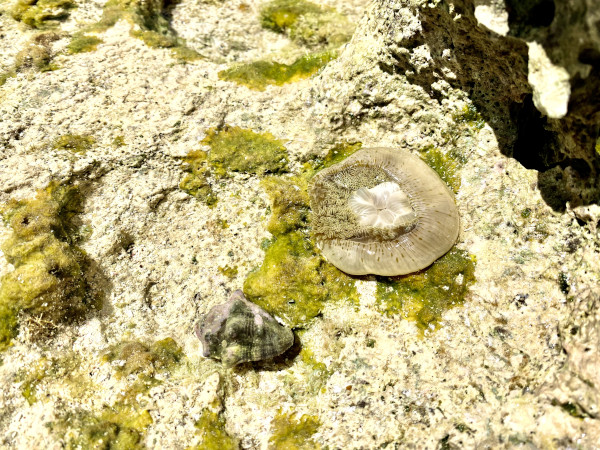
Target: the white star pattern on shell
pixel 383 206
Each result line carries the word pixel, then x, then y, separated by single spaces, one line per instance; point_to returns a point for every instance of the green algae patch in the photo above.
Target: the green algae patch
pixel 294 281
pixel 141 363
pixel 82 43
pixel 229 271
pixel 118 427
pixel 467 121
pixel 291 431
pixel 74 143
pixel 118 141
pixel 8 324
pixel 232 149
pixel 149 24
pixel 133 357
pixel 444 164
pixel 4 76
pixel 290 283
pixel 196 180
pixel 281 15
pixel 318 374
pixel 42 14
pixel 36 56
pixel 62 368
pixel 47 284
pixel 306 23
pixel 424 296
pixel 123 424
pixel 235 149
pixel 289 203
pixel 469 116
pixel 211 429
pixel 260 74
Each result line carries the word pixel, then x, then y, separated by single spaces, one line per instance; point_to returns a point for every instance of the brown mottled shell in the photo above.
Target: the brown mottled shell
pixel 356 246
pixel 239 331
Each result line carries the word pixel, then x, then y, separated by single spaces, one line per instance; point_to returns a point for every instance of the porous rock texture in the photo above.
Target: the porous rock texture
pixel 516 365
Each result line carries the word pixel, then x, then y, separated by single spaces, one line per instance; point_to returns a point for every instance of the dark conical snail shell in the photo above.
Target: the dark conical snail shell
pixel 239 331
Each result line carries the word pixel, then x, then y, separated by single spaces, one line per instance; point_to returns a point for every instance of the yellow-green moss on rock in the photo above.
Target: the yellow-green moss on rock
pixel 42 13
pixel 294 281
pixel 306 23
pixel 335 155
pixel 232 149
pixel 318 373
pixel 470 116
pixel 123 424
pixel 424 296
pixel 196 182
pixel 36 56
pixel 445 164
pixel 117 427
pixel 260 74
pixel 63 368
pixel 83 43
pixel 134 357
pixel 211 429
pixel 289 203
pixel 74 143
pixel 293 432
pixel 229 271
pixel 149 25
pixel 47 283
pixel 235 149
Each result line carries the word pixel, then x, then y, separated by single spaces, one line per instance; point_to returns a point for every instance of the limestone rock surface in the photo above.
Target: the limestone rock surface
pixel 127 100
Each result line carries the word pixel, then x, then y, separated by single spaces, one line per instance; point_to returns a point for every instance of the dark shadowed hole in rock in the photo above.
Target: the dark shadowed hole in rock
pixel 561 150
pixel 526 14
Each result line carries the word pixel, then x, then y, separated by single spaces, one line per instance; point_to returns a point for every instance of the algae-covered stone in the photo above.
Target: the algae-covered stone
pixel 259 74
pixel 293 431
pixel 239 331
pixel 42 13
pixel 294 281
pixel 307 23
pixel 214 436
pixel 235 149
pixel 424 296
pixel 48 282
pixel 82 43
pixel 148 24
pixel 196 182
pixel 37 56
pixel 74 143
pixel 137 357
pixel 119 427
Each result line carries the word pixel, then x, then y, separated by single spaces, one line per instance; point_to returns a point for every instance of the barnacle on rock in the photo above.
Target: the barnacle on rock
pixel 239 331
pixel 382 211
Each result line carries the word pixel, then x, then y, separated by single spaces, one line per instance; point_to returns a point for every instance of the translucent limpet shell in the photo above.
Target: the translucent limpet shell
pixel 382 211
pixel 239 331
